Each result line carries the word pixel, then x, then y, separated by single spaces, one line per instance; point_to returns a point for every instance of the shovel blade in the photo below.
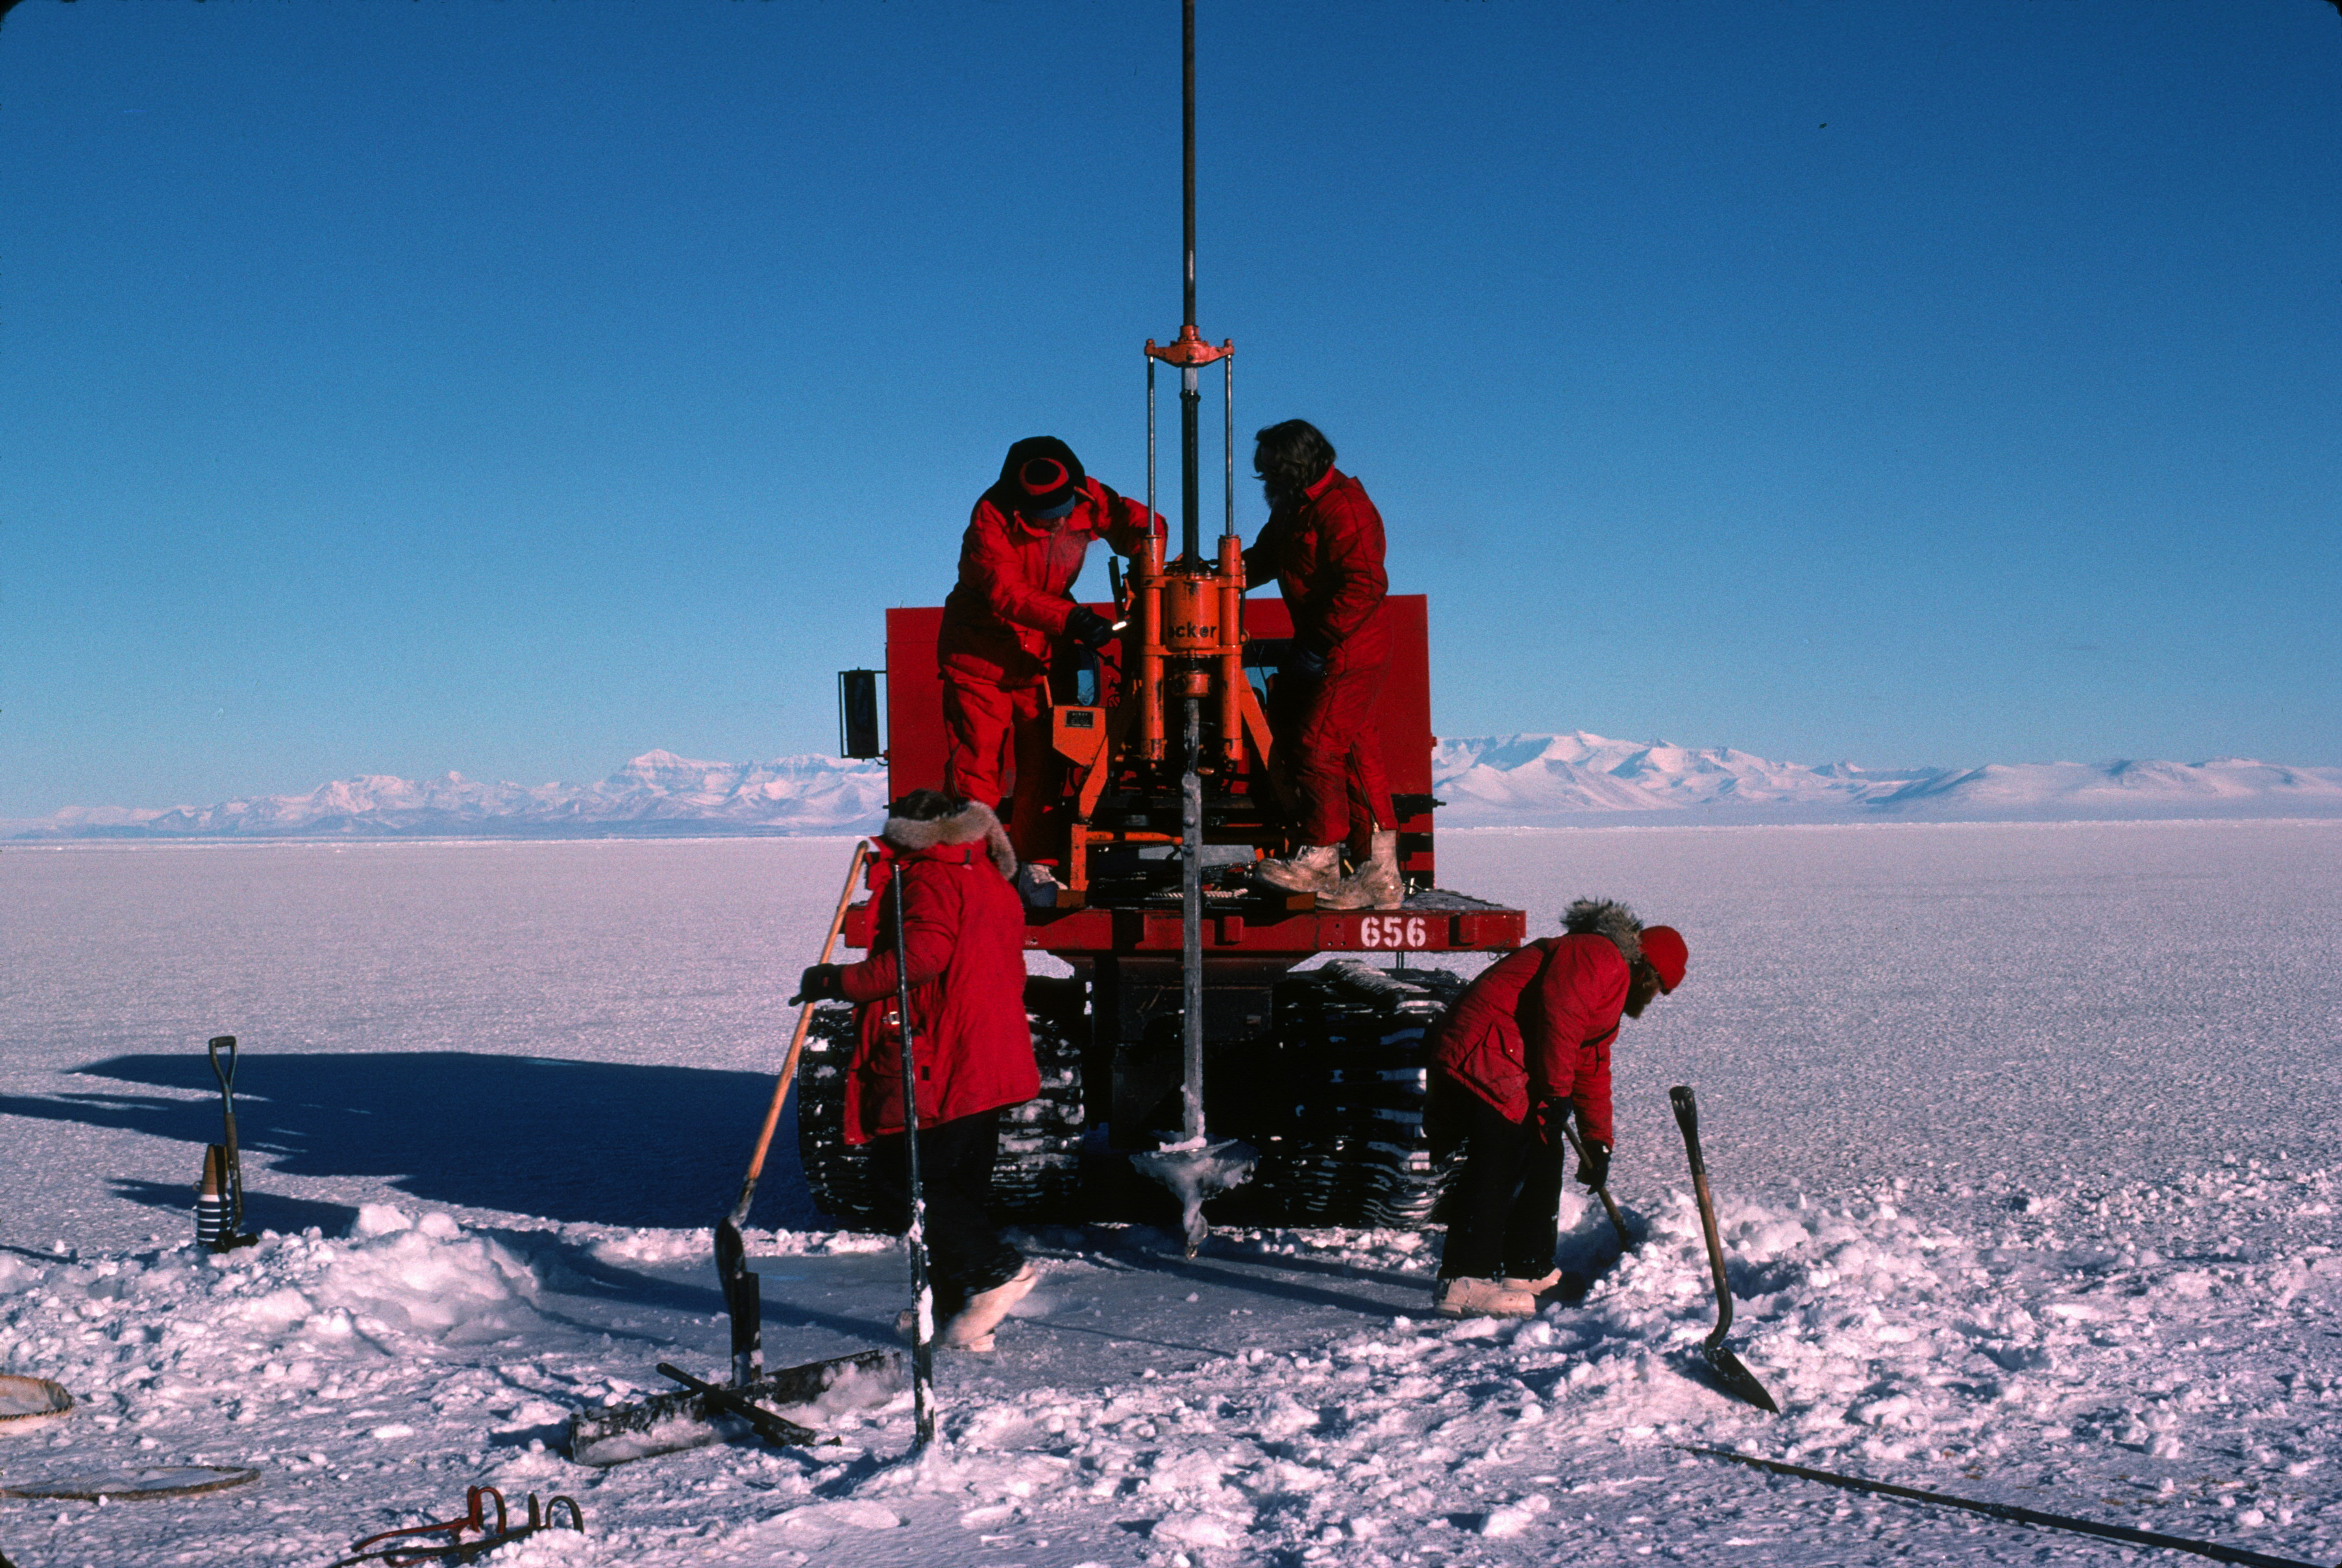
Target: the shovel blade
pixel 743 1301
pixel 1737 1380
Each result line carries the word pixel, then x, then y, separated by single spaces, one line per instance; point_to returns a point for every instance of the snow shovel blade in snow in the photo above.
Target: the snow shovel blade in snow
pixel 690 1418
pixel 1736 1379
pixel 743 1303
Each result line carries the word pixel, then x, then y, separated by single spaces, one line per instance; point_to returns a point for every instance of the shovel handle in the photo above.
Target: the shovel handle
pixel 223 1045
pixel 797 1039
pixel 1609 1204
pixel 1687 1109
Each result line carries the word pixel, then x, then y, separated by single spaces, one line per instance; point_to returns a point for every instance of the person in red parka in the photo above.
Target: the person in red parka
pixel 1010 611
pixel 1323 544
pixel 1527 1044
pixel 963 932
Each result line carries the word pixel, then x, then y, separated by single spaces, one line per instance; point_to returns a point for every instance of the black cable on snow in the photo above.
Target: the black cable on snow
pixel 2008 1511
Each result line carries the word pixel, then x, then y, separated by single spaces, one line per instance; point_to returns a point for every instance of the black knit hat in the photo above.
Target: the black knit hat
pixel 1039 475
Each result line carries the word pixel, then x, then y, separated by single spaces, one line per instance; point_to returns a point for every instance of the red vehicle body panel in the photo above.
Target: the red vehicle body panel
pixel 914 760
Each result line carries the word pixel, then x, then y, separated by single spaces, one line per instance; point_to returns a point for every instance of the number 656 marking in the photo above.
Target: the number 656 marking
pixel 1394 931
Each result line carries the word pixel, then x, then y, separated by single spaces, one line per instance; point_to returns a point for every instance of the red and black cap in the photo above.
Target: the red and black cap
pixel 1040 478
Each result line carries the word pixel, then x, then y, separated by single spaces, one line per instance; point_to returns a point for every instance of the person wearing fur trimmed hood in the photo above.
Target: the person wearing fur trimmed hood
pixel 950 863
pixel 1526 1044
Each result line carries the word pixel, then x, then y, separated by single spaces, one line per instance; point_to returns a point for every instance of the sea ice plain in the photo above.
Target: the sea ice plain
pixel 2023 1136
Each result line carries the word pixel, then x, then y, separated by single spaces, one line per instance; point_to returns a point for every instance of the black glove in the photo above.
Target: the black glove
pixel 1088 627
pixel 1594 1164
pixel 1307 663
pixel 821 983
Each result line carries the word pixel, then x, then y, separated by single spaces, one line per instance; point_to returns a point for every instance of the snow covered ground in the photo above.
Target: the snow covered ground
pixel 2023 1137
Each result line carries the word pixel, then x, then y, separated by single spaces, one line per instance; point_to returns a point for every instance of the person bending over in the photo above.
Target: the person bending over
pixel 1008 615
pixel 1526 1044
pixel 949 862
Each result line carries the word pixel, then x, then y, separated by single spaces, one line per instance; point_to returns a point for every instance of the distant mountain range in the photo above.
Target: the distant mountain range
pixel 657 794
pixel 1553 780
pixel 1488 781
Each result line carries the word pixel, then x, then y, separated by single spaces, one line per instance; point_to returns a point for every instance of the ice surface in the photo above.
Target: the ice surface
pixel 2022 1138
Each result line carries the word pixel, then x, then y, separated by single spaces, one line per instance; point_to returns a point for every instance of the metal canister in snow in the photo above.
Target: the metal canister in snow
pixel 210 1197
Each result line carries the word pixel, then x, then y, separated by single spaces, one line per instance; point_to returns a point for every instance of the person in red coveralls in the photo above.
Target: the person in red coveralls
pixel 1323 543
pixel 1010 611
pixel 964 933
pixel 1526 1044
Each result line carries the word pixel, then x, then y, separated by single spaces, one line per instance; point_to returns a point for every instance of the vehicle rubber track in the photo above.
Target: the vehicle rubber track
pixel 1351 1040
pixel 1036 1180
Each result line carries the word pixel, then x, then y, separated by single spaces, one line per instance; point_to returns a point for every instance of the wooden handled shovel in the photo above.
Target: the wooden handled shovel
pixel 1737 1380
pixel 1609 1204
pixel 742 1300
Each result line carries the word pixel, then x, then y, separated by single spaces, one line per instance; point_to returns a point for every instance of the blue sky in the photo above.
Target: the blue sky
pixel 514 387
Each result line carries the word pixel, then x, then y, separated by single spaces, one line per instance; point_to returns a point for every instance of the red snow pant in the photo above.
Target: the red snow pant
pixel 1334 757
pixel 991 729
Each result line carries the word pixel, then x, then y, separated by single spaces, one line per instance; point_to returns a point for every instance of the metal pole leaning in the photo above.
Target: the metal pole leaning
pixel 742 1294
pixel 739 1214
pixel 914 1239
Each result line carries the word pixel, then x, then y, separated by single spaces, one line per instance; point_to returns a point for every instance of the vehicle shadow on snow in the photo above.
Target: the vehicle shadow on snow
pixel 595 1142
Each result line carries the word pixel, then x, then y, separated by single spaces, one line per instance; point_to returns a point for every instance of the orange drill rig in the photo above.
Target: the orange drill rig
pixel 1181 1014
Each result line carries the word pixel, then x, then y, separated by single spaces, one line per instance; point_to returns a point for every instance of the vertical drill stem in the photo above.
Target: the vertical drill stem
pixel 1187 130
pixel 1191 396
pixel 1228 438
pixel 1191 931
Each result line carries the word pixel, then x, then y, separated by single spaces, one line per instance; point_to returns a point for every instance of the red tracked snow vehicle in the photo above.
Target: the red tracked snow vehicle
pixel 1181 1012
pixel 1322 1072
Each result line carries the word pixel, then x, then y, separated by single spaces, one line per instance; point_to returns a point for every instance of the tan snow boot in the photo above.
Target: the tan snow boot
pixel 1536 1287
pixel 971 1327
pixel 1469 1297
pixel 1376 884
pixel 1315 869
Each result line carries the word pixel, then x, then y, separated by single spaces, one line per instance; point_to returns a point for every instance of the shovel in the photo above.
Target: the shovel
pixel 742 1300
pixel 231 1159
pixel 1609 1204
pixel 1737 1380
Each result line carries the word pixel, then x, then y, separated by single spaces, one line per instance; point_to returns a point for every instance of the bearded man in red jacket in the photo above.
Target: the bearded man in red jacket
pixel 1010 612
pixel 1323 543
pixel 1527 1044
pixel 950 865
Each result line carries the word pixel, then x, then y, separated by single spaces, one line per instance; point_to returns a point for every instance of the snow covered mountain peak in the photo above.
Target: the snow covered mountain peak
pixel 1486 781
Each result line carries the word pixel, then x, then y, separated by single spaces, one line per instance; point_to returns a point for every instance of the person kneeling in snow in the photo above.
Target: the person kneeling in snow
pixel 1528 1042
pixel 963 932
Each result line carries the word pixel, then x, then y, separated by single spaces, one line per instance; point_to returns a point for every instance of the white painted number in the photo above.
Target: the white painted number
pixel 1394 931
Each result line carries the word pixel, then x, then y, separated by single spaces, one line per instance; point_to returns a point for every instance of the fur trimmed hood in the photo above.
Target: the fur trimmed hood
pixel 973 822
pixel 1606 917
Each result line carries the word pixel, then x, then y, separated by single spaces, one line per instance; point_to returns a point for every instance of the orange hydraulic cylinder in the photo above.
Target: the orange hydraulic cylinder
pixel 1150 649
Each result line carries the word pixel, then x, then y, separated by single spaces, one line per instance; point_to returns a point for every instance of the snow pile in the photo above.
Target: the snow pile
pixel 610 1245
pixel 140 1339
pixel 1896 1347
